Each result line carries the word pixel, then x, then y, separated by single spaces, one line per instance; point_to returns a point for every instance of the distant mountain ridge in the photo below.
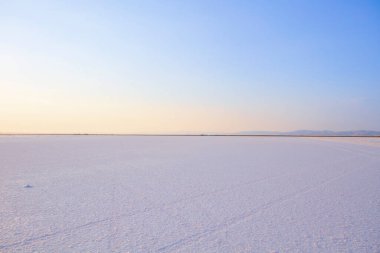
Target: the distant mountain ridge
pixel 314 133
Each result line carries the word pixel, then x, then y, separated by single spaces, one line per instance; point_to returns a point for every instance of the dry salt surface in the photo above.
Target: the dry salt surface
pixel 189 194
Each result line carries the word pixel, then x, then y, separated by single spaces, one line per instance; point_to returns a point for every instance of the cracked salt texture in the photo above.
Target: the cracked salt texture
pixel 188 194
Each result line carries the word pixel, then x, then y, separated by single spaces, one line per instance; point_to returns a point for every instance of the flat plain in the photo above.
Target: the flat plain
pixel 189 194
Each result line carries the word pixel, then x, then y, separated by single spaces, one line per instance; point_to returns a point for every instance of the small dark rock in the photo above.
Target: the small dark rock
pixel 28 186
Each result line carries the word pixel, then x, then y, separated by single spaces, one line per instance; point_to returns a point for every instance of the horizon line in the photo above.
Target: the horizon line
pixel 182 135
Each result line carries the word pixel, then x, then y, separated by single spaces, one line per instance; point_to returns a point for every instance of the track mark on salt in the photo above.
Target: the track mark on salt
pixel 117 217
pixel 245 216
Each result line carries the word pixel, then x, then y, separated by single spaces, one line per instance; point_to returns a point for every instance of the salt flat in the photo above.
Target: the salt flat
pixel 189 194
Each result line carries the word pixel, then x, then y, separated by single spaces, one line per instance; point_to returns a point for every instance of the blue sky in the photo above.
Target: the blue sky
pixel 189 66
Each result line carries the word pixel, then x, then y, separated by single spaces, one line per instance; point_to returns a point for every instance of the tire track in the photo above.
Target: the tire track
pixel 49 235
pixel 112 219
pixel 146 210
pixel 247 215
pixel 196 236
pixel 343 147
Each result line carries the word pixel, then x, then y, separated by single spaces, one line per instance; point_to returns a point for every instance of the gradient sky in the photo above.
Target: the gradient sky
pixel 188 66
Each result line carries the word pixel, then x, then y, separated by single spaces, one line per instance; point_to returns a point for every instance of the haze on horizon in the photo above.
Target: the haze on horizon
pixel 188 66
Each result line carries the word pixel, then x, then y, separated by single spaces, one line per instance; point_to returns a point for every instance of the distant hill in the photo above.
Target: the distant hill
pixel 314 133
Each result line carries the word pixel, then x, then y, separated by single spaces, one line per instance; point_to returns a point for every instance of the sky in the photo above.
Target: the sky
pixel 188 66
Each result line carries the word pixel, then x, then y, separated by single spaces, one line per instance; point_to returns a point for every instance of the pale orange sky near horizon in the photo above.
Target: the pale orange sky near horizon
pixel 98 115
pixel 28 111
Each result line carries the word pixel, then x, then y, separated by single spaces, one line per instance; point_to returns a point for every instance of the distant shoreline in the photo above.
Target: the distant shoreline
pixel 201 135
